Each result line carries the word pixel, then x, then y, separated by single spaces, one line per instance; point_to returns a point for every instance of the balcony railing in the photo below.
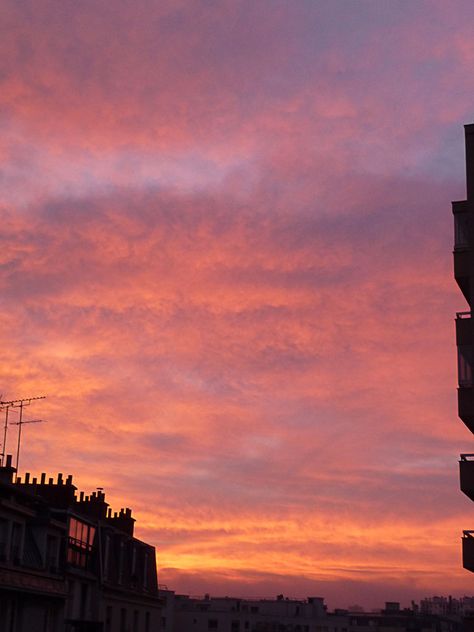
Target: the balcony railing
pixel 468 550
pixel 466 475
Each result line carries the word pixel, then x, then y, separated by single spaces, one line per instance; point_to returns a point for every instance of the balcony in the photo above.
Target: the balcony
pixel 468 550
pixel 466 474
pixel 463 253
pixel 466 406
pixel 465 372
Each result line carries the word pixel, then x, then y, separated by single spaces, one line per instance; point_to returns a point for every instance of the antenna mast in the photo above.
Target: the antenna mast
pixel 16 403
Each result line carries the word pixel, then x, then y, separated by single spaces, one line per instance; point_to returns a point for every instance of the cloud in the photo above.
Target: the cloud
pixel 225 258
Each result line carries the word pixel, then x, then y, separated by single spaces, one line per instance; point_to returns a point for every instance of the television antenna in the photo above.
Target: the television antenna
pixel 10 406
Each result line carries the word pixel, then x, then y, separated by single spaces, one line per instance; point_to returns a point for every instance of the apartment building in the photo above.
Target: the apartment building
pixel 68 563
pixel 464 274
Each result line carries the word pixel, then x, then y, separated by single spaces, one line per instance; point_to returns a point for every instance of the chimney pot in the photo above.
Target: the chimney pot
pixel 27 478
pixel 9 460
pixel 60 479
pixel 50 481
pixel 43 478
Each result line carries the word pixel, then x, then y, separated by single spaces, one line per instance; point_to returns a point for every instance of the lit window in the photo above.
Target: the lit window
pixel 81 539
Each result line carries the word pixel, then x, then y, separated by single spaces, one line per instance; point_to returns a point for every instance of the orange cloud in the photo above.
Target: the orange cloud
pixel 225 258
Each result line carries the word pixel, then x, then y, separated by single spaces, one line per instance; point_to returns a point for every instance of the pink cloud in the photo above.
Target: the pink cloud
pixel 225 257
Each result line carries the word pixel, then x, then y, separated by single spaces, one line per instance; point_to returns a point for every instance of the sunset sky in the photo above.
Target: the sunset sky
pixel 225 258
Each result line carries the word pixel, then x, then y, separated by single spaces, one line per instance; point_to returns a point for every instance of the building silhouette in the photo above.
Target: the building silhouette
pixel 464 274
pixel 182 613
pixel 68 564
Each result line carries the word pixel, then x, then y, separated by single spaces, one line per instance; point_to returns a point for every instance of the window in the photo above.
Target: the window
pixel 121 562
pixel 147 622
pixel 81 533
pixel 134 559
pixel 108 619
pixel 145 570
pixel 84 601
pixel 3 538
pixel 123 620
pixel 15 549
pixel 135 621
pixel 81 538
pixel 461 230
pixel 52 545
pixel 105 569
pixel 212 624
pixel 465 357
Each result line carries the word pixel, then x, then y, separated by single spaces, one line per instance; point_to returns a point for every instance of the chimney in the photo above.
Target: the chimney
pixel 7 471
pixel 122 520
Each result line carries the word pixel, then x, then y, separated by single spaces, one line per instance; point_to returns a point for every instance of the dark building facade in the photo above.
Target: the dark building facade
pixel 229 614
pixel 68 564
pixel 464 274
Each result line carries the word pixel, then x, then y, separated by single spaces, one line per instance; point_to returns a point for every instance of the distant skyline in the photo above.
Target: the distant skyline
pixel 225 256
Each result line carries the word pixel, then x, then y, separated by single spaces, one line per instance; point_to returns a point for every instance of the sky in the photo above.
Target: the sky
pixel 225 258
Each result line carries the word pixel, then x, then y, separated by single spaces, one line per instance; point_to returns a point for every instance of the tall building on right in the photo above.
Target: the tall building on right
pixel 464 274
